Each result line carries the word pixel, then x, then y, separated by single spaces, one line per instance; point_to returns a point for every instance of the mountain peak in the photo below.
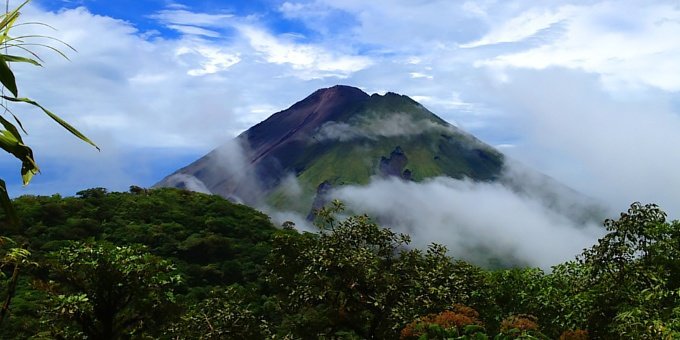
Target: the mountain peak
pixel 325 96
pixel 342 90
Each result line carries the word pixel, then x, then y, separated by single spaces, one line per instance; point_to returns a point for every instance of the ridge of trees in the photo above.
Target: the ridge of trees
pixel 167 263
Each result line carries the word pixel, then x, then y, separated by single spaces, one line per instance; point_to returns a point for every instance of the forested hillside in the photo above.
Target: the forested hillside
pixel 168 263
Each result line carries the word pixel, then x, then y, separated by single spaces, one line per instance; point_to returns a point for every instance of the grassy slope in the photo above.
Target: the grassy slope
pixel 434 152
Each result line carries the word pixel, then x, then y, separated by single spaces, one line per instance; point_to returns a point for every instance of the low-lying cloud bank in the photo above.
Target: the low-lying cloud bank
pixel 525 218
pixel 393 125
pixel 478 221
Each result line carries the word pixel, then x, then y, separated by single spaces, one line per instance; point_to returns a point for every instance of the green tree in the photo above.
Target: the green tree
pixel 459 322
pixel 226 314
pixel 104 291
pixel 359 278
pixel 634 276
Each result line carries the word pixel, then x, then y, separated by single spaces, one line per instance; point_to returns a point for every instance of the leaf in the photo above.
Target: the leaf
pixel 9 18
pixel 17 59
pixel 7 77
pixel 56 118
pixel 7 206
pixel 24 153
pixel 11 128
pixel 21 126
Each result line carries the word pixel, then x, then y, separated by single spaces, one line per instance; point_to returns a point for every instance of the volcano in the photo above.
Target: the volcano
pixel 337 136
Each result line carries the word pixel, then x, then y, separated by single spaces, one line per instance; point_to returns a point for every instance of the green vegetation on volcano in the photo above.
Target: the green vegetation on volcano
pixel 433 149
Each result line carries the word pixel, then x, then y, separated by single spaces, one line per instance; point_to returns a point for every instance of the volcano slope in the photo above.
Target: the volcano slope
pixel 337 136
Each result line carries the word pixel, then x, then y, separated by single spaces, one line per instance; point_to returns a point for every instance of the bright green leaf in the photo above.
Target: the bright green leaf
pixel 17 59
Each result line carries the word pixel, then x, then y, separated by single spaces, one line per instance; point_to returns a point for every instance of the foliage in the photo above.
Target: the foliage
pixel 173 224
pixel 10 137
pixel 103 291
pixel 356 276
pixel 212 240
pixel 224 315
pixel 520 326
pixel 14 258
pixel 634 276
pixel 578 334
pixel 460 322
pixel 351 280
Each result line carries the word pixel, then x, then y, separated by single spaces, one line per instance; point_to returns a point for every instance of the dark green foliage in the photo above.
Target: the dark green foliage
pixel 103 291
pixel 198 232
pixel 358 277
pixel 210 241
pixel 353 279
pixel 13 259
pixel 226 314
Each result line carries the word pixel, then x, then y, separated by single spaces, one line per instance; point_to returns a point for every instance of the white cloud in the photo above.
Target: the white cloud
pixel 314 62
pixel 617 149
pixel 523 26
pixel 308 61
pixel 189 18
pixel 628 47
pixel 396 124
pixel 453 101
pixel 398 25
pixel 417 75
pixel 193 30
pixel 467 216
pixel 213 59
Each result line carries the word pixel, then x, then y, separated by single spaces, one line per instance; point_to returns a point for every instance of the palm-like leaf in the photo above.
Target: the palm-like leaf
pixel 10 137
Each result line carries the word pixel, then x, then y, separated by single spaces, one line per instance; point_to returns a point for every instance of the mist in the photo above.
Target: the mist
pixel 478 221
pixel 392 125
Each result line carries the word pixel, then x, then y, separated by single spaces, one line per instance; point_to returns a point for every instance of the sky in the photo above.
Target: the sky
pixel 583 91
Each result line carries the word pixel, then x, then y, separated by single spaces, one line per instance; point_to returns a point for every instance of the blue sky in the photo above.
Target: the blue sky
pixel 585 91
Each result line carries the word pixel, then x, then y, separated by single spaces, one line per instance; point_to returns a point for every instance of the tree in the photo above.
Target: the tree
pixel 634 276
pixel 459 322
pixel 357 278
pixel 10 137
pixel 104 291
pixel 226 314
